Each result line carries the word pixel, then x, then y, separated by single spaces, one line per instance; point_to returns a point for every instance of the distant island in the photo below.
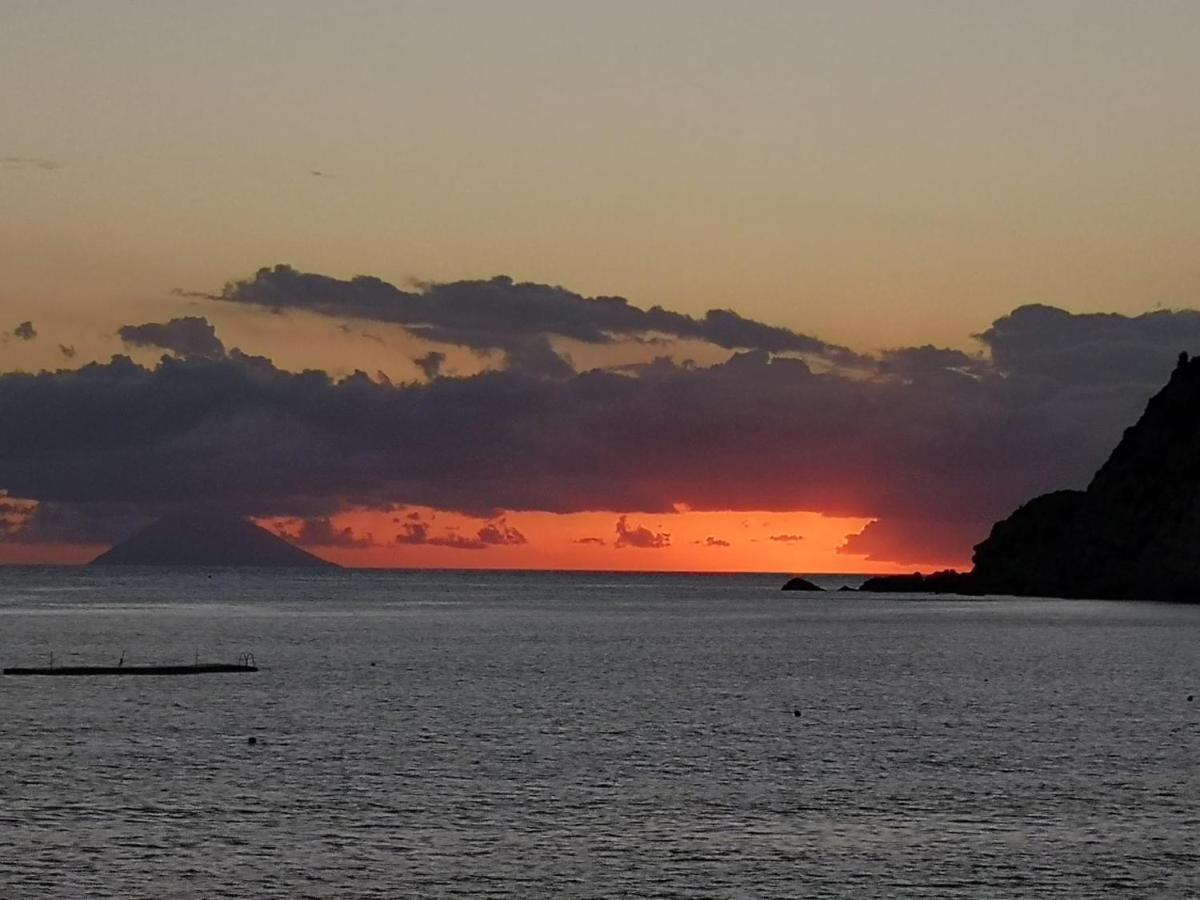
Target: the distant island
pixel 1134 533
pixel 207 539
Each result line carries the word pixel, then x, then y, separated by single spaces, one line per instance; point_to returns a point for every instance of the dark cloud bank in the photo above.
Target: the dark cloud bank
pixel 933 443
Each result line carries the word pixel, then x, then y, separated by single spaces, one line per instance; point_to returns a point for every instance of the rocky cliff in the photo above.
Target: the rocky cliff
pixel 1134 533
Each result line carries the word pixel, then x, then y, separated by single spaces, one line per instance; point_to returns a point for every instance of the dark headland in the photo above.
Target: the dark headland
pixel 206 539
pixel 1134 533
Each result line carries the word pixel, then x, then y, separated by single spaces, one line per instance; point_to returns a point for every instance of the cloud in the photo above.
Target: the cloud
pixel 492 534
pixel 415 533
pixel 748 434
pixel 891 540
pixel 345 329
pixel 25 332
pixel 933 445
pixel 536 356
pixel 319 531
pixel 67 351
pixel 711 541
pixel 518 318
pixel 53 522
pixel 189 337
pixel 431 363
pixel 1043 342
pixel 640 537
pixel 29 162
pixel 13 516
pixel 926 361
pixel 786 538
pixel 501 534
pixel 600 542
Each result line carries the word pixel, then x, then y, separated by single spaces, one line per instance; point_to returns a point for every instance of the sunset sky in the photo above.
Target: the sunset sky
pixel 885 270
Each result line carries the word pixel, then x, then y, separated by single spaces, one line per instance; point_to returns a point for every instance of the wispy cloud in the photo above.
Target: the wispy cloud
pixel 29 162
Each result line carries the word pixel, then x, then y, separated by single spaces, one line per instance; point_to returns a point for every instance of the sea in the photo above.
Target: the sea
pixel 472 734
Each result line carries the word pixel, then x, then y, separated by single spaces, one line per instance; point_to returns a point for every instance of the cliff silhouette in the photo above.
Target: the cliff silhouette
pixel 206 539
pixel 1133 533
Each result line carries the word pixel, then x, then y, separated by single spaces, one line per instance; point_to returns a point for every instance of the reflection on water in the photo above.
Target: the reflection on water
pixel 441 734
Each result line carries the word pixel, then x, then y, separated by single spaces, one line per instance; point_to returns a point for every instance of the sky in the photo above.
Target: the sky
pixel 950 247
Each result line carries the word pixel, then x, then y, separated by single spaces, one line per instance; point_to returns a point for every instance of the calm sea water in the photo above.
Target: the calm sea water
pixel 533 735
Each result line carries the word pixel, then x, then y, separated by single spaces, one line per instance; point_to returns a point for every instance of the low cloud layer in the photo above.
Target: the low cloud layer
pixel 932 444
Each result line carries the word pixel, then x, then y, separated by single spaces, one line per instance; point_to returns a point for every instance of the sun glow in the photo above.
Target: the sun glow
pixel 682 540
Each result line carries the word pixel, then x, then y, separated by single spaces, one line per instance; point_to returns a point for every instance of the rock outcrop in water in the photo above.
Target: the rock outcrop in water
pixel 948 581
pixel 801 584
pixel 206 539
pixel 1134 533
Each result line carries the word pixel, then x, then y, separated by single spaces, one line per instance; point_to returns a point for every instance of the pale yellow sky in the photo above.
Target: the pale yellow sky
pixel 872 173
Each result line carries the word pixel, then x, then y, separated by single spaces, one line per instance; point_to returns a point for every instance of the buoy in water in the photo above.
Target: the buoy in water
pixel 251 740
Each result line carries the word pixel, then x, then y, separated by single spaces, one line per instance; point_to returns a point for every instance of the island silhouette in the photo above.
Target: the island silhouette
pixel 207 538
pixel 1133 533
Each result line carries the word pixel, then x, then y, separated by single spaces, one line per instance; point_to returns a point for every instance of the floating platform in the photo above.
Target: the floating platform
pixel 194 669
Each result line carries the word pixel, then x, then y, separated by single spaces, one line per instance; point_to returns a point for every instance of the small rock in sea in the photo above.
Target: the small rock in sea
pixel 1189 698
pixel 796 713
pixel 251 740
pixel 801 584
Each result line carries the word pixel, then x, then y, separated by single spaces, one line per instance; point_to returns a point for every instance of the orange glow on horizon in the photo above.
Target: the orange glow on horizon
pixel 681 541
pixel 720 541
pixel 14 554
